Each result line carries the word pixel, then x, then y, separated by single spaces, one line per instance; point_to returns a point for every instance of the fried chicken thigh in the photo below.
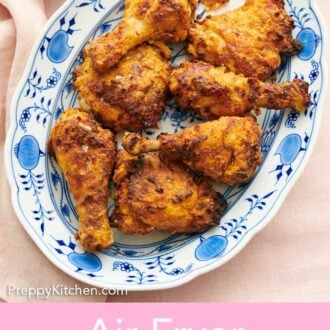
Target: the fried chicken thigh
pixel 86 153
pixel 132 94
pixel 226 150
pixel 248 40
pixel 144 20
pixel 155 195
pixel 213 92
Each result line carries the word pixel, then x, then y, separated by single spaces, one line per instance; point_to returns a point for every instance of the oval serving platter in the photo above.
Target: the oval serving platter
pixel 45 207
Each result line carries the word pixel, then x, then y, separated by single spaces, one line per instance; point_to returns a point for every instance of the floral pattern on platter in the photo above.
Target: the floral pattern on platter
pixel 28 154
pixel 288 150
pixel 86 263
pixel 307 36
pixel 214 246
pixel 42 111
pixel 135 275
pixel 35 84
pixel 96 4
pixel 57 46
pixel 161 263
pixel 45 206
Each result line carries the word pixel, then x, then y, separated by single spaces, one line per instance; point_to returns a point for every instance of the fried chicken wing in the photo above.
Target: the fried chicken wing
pixel 248 40
pixel 155 195
pixel 213 92
pixel 144 20
pixel 86 153
pixel 227 150
pixel 130 95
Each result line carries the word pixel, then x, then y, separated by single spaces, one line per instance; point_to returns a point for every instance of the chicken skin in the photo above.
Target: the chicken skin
pixel 248 40
pixel 226 150
pixel 155 195
pixel 86 153
pixel 213 92
pixel 144 20
pixel 130 95
pixel 214 4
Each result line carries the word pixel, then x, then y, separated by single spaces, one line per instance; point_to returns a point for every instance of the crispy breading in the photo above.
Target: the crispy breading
pixel 226 150
pixel 155 195
pixel 214 4
pixel 86 153
pixel 144 20
pixel 213 92
pixel 132 94
pixel 247 40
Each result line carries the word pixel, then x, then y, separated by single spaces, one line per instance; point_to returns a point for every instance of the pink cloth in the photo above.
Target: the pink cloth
pixel 288 261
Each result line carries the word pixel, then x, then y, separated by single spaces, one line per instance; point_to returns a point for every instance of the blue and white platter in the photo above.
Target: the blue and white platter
pixel 40 194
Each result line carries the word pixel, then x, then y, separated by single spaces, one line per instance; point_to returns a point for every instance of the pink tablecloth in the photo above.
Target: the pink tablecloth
pixel 288 261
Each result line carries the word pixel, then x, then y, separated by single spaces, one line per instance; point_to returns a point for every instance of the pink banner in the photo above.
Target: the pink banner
pixel 165 316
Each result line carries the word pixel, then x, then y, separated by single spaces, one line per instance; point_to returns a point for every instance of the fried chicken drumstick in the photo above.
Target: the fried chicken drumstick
pixel 155 195
pixel 86 153
pixel 248 40
pixel 213 92
pixel 144 20
pixel 226 150
pixel 132 94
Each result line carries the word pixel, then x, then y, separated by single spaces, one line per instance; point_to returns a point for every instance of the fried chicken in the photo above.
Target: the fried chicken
pixel 248 40
pixel 226 150
pixel 213 92
pixel 144 20
pixel 155 195
pixel 86 153
pixel 214 4
pixel 132 94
